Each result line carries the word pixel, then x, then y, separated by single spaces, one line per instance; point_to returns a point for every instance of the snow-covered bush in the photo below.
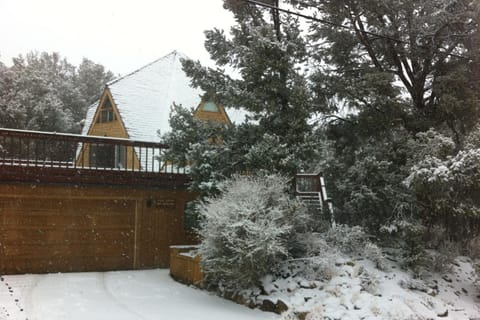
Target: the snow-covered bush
pixel 374 253
pixel 431 143
pixel 347 239
pixel 440 261
pixel 366 186
pixel 474 248
pixel 343 238
pixel 319 267
pixel 247 230
pixel 313 244
pixel 447 186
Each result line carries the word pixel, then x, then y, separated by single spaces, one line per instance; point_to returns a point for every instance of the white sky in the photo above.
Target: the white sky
pixel 121 35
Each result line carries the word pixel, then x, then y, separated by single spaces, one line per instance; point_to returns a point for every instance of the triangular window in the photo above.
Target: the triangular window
pixel 106 112
pixel 210 106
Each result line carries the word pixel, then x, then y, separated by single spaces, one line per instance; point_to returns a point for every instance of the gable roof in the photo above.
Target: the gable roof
pixel 144 97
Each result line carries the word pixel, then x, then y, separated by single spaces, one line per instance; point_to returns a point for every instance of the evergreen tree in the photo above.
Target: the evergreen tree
pixel 43 91
pixel 406 54
pixel 400 68
pixel 91 79
pixel 265 55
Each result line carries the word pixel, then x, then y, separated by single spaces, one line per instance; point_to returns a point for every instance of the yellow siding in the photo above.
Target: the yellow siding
pixel 115 129
pixel 220 116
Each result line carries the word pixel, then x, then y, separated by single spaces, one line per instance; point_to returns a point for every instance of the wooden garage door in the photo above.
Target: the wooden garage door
pixel 55 235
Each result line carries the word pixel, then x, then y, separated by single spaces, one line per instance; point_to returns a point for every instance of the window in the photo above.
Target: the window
pixel 102 156
pixel 120 157
pixel 210 106
pixel 108 156
pixel 106 112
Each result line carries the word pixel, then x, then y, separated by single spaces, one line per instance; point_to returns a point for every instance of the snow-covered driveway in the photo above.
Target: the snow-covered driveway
pixel 119 295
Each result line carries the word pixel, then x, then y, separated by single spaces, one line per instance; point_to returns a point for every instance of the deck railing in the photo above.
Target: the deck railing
pixel 44 153
pixel 310 186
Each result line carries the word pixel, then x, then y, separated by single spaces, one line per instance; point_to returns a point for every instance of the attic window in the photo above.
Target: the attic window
pixel 210 106
pixel 106 112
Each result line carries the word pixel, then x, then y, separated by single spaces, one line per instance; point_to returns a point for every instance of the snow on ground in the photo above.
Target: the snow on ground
pixel 344 287
pixel 337 287
pixel 119 295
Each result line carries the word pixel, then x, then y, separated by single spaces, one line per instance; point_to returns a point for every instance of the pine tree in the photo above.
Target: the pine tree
pixel 266 54
pixel 399 58
pixel 400 68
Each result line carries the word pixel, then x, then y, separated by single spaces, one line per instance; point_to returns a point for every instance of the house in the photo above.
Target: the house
pixel 114 207
pixel 137 106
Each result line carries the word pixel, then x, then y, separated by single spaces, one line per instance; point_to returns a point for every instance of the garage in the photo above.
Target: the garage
pixel 65 228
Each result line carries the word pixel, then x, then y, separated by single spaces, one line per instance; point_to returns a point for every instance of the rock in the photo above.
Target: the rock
pixel 281 306
pixel 443 314
pixel 447 278
pixel 301 315
pixel 268 306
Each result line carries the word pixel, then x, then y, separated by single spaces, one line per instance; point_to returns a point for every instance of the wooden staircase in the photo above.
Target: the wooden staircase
pixel 310 189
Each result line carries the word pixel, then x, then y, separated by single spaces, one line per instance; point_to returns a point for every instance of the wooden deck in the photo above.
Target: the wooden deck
pixel 42 157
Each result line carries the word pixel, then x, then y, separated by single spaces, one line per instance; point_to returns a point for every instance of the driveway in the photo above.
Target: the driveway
pixel 118 295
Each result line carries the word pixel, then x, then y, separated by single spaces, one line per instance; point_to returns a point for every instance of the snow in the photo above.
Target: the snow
pixel 144 98
pixel 119 295
pixel 177 246
pixel 356 289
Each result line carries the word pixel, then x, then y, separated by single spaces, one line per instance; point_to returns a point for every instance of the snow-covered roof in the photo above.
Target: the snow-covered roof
pixel 144 98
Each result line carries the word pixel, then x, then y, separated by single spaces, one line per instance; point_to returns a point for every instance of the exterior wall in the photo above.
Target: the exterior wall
pixel 220 116
pixel 69 228
pixel 114 129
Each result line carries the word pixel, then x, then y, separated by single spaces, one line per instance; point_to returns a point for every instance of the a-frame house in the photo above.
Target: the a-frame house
pixel 137 106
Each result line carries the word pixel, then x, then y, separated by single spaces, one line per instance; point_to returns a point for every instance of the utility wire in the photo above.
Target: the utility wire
pixel 338 25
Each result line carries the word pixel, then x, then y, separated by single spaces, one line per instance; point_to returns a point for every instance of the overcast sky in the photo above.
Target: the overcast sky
pixel 121 35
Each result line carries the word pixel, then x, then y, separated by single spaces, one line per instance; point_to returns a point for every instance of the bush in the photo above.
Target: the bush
pixel 248 230
pixel 347 239
pixel 446 183
pixel 474 248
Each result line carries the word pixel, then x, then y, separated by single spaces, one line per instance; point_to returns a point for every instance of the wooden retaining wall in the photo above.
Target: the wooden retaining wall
pixel 185 265
pixel 53 228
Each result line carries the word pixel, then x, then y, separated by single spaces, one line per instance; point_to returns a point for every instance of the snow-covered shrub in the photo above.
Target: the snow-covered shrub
pixel 408 235
pixel 320 267
pixel 365 180
pixel 440 262
pixel 247 230
pixel 354 240
pixel 447 184
pixel 374 253
pixel 474 248
pixel 347 239
pixel 313 244
pixel 431 143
